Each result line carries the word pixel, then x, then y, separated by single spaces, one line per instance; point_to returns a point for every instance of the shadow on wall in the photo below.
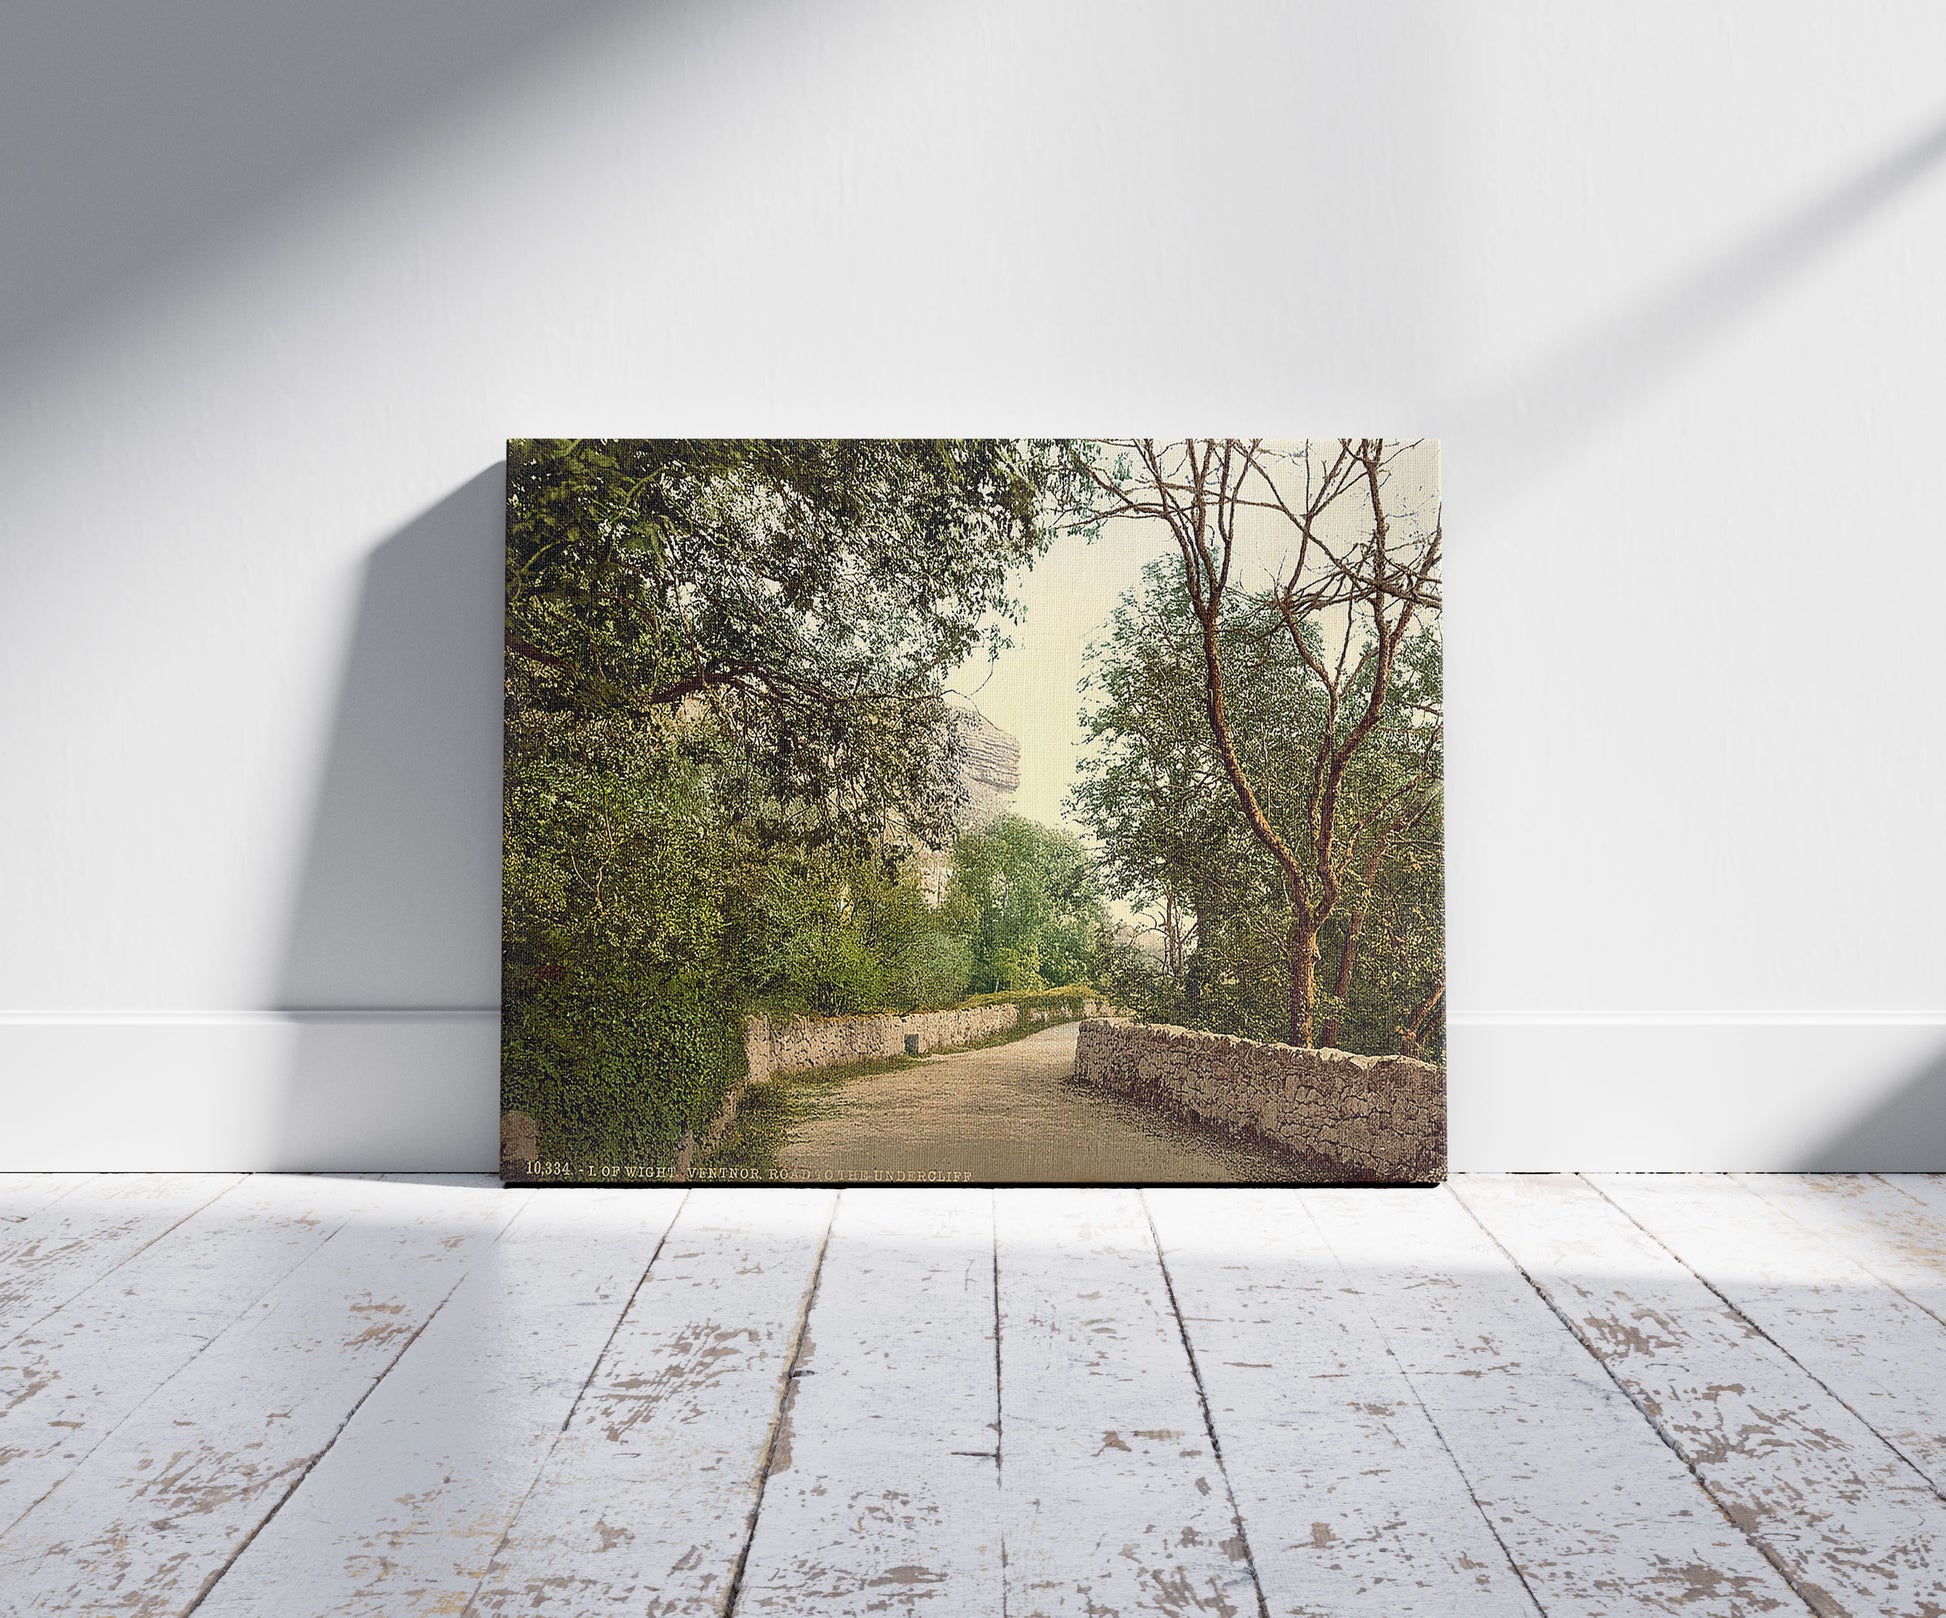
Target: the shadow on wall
pixel 1552 408
pixel 135 138
pixel 1906 1133
pixel 391 964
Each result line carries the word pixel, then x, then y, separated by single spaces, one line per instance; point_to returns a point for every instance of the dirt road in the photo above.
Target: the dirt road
pixel 1008 1113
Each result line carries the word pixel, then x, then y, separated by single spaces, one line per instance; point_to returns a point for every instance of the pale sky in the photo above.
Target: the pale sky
pixel 1069 597
pixel 1031 690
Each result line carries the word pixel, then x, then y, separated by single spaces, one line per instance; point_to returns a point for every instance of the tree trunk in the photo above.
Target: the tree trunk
pixel 1354 926
pixel 1195 966
pixel 1303 953
pixel 1415 1026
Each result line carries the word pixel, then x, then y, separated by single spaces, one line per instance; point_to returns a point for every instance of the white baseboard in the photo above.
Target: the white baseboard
pixel 399 1090
pixel 1759 1092
pixel 251 1090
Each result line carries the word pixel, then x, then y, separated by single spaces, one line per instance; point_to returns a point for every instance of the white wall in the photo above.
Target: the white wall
pixel 279 281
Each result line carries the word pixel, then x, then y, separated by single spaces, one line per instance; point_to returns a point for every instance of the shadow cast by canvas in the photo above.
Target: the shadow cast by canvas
pixel 391 961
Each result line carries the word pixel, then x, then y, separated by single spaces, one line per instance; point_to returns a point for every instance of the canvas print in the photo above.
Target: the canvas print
pixel 990 811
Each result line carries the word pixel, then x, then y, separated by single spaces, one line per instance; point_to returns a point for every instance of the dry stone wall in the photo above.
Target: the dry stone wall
pixel 805 1043
pixel 1365 1118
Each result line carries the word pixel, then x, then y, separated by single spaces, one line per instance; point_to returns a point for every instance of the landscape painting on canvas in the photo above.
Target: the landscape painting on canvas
pixel 989 811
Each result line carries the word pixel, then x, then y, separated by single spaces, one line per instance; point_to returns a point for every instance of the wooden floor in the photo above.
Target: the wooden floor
pixel 1565 1395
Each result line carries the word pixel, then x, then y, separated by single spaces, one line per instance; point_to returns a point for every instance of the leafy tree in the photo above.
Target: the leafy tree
pixel 811 594
pixel 832 935
pixel 1154 793
pixel 1358 584
pixel 725 721
pixel 1152 789
pixel 1033 899
pixel 620 1029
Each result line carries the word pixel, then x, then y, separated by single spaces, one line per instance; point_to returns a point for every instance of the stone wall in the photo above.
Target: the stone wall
pixel 813 1042
pixel 1365 1118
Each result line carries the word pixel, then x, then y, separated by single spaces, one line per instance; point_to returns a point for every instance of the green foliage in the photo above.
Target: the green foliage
pixel 726 725
pixel 832 935
pixel 1069 994
pixel 620 1028
pixel 1033 900
pixel 1176 848
pixel 615 1067
pixel 811 593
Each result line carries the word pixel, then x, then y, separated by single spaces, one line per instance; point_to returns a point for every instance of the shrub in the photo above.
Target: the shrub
pixel 615 1069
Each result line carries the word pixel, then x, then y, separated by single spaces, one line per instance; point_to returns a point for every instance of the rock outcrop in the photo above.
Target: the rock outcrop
pixel 989 776
pixel 989 770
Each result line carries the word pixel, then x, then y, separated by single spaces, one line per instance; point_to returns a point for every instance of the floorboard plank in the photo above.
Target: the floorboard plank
pixel 403 1514
pixel 1113 1498
pixel 884 1494
pixel 1927 1189
pixel 341 1395
pixel 1349 1499
pixel 1855 1527
pixel 646 1502
pixel 1876 1351
pixel 62 1248
pixel 1893 1224
pixel 155 1513
pixel 72 1378
pixel 1597 1513
pixel 23 1193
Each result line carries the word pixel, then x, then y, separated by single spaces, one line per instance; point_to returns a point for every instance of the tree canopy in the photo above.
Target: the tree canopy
pixel 726 726
pixel 1173 843
pixel 1033 904
pixel 811 595
pixel 1354 586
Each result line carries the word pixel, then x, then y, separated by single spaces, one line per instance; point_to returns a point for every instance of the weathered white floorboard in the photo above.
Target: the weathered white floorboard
pixel 1857 1529
pixel 157 1510
pixel 1878 1352
pixel 883 1494
pixel 1894 1224
pixel 69 1380
pixel 1597 1513
pixel 1350 1501
pixel 1928 1189
pixel 22 1194
pixel 63 1247
pixel 403 1514
pixel 646 1503
pixel 1113 1499
pixel 310 1396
